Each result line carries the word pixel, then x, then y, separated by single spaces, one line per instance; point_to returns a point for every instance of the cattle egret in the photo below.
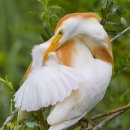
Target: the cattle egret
pixel 71 71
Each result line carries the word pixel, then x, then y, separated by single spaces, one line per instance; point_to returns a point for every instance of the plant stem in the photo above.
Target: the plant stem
pixel 42 120
pixel 121 33
pixel 9 119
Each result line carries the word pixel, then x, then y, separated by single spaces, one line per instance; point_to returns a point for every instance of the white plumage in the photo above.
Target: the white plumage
pixel 47 85
pixel 74 90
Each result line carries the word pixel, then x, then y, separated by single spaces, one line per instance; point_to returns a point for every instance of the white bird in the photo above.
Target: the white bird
pixel 71 71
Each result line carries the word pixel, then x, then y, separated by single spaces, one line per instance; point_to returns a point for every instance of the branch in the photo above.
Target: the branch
pixel 121 33
pixel 112 115
pixel 107 120
pixel 9 119
pixel 101 115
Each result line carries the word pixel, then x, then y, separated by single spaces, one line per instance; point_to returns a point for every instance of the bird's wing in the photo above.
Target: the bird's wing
pixel 47 85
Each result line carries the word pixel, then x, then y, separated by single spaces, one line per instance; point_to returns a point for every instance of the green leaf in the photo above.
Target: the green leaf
pixel 10 125
pixel 114 9
pixel 123 21
pixel 7 83
pixel 42 15
pixel 43 4
pixel 55 7
pixel 120 11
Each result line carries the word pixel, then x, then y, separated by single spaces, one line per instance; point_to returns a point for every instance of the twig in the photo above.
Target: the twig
pixel 121 33
pixel 85 119
pixel 107 120
pixel 8 119
pixel 89 120
pixel 124 108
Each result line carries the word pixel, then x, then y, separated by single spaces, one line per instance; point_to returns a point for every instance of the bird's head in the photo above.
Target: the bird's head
pixel 82 25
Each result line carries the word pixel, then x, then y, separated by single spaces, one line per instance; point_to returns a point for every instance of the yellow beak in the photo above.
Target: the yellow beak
pixel 53 46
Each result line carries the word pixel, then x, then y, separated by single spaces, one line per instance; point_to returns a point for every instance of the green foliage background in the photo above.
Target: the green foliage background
pixel 23 24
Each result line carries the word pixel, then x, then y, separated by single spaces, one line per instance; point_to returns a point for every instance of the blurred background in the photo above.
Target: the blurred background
pixel 23 24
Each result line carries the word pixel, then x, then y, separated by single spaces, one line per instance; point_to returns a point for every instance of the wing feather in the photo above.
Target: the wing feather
pixel 46 86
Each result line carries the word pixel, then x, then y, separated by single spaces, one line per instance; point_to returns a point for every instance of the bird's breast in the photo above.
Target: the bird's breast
pixel 66 53
pixel 75 54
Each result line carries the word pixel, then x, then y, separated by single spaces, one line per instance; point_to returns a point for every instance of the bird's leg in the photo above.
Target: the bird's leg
pixel 42 120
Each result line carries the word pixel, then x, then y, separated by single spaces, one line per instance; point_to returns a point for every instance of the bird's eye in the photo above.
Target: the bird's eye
pixel 61 32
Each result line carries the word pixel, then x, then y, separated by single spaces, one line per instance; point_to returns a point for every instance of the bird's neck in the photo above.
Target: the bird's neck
pixel 82 56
